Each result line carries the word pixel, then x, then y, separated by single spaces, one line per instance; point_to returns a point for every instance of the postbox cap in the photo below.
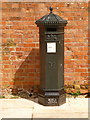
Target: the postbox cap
pixel 51 18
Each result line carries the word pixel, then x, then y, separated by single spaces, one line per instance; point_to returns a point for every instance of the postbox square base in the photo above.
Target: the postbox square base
pixel 52 100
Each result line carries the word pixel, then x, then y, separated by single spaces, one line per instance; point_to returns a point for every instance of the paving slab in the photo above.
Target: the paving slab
pixel 24 108
pixel 17 113
pixel 16 108
pixel 16 103
pixel 73 108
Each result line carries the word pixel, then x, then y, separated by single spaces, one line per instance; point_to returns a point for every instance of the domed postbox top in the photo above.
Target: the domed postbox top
pixel 51 18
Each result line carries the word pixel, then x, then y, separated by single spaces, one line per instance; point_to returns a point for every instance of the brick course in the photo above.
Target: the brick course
pixel 20 42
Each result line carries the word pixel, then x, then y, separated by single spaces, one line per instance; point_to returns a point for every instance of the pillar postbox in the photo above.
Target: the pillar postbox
pixel 51 35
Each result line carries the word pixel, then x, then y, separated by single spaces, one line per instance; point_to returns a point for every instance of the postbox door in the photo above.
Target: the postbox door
pixel 51 71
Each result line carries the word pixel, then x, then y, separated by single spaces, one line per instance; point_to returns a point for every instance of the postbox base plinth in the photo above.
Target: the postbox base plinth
pixel 52 98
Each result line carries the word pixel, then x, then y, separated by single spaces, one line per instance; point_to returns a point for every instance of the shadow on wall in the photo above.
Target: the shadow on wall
pixel 28 75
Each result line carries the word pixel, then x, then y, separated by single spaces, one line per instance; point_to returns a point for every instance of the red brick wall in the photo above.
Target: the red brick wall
pixel 20 42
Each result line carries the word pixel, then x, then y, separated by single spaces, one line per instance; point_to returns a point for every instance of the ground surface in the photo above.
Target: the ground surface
pixel 29 108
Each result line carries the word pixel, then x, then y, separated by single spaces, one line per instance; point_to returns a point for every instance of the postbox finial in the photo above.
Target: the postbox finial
pixel 51 9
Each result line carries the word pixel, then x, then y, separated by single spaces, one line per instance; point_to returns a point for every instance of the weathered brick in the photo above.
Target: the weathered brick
pixel 15 36
pixel 80 70
pixel 84 74
pixel 15 5
pixel 7 66
pixel 29 45
pixel 6 62
pixel 5 58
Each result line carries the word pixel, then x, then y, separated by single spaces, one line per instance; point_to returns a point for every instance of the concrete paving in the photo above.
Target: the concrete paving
pixel 24 108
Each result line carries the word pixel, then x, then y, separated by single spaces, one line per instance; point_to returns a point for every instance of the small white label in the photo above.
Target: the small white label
pixel 51 47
